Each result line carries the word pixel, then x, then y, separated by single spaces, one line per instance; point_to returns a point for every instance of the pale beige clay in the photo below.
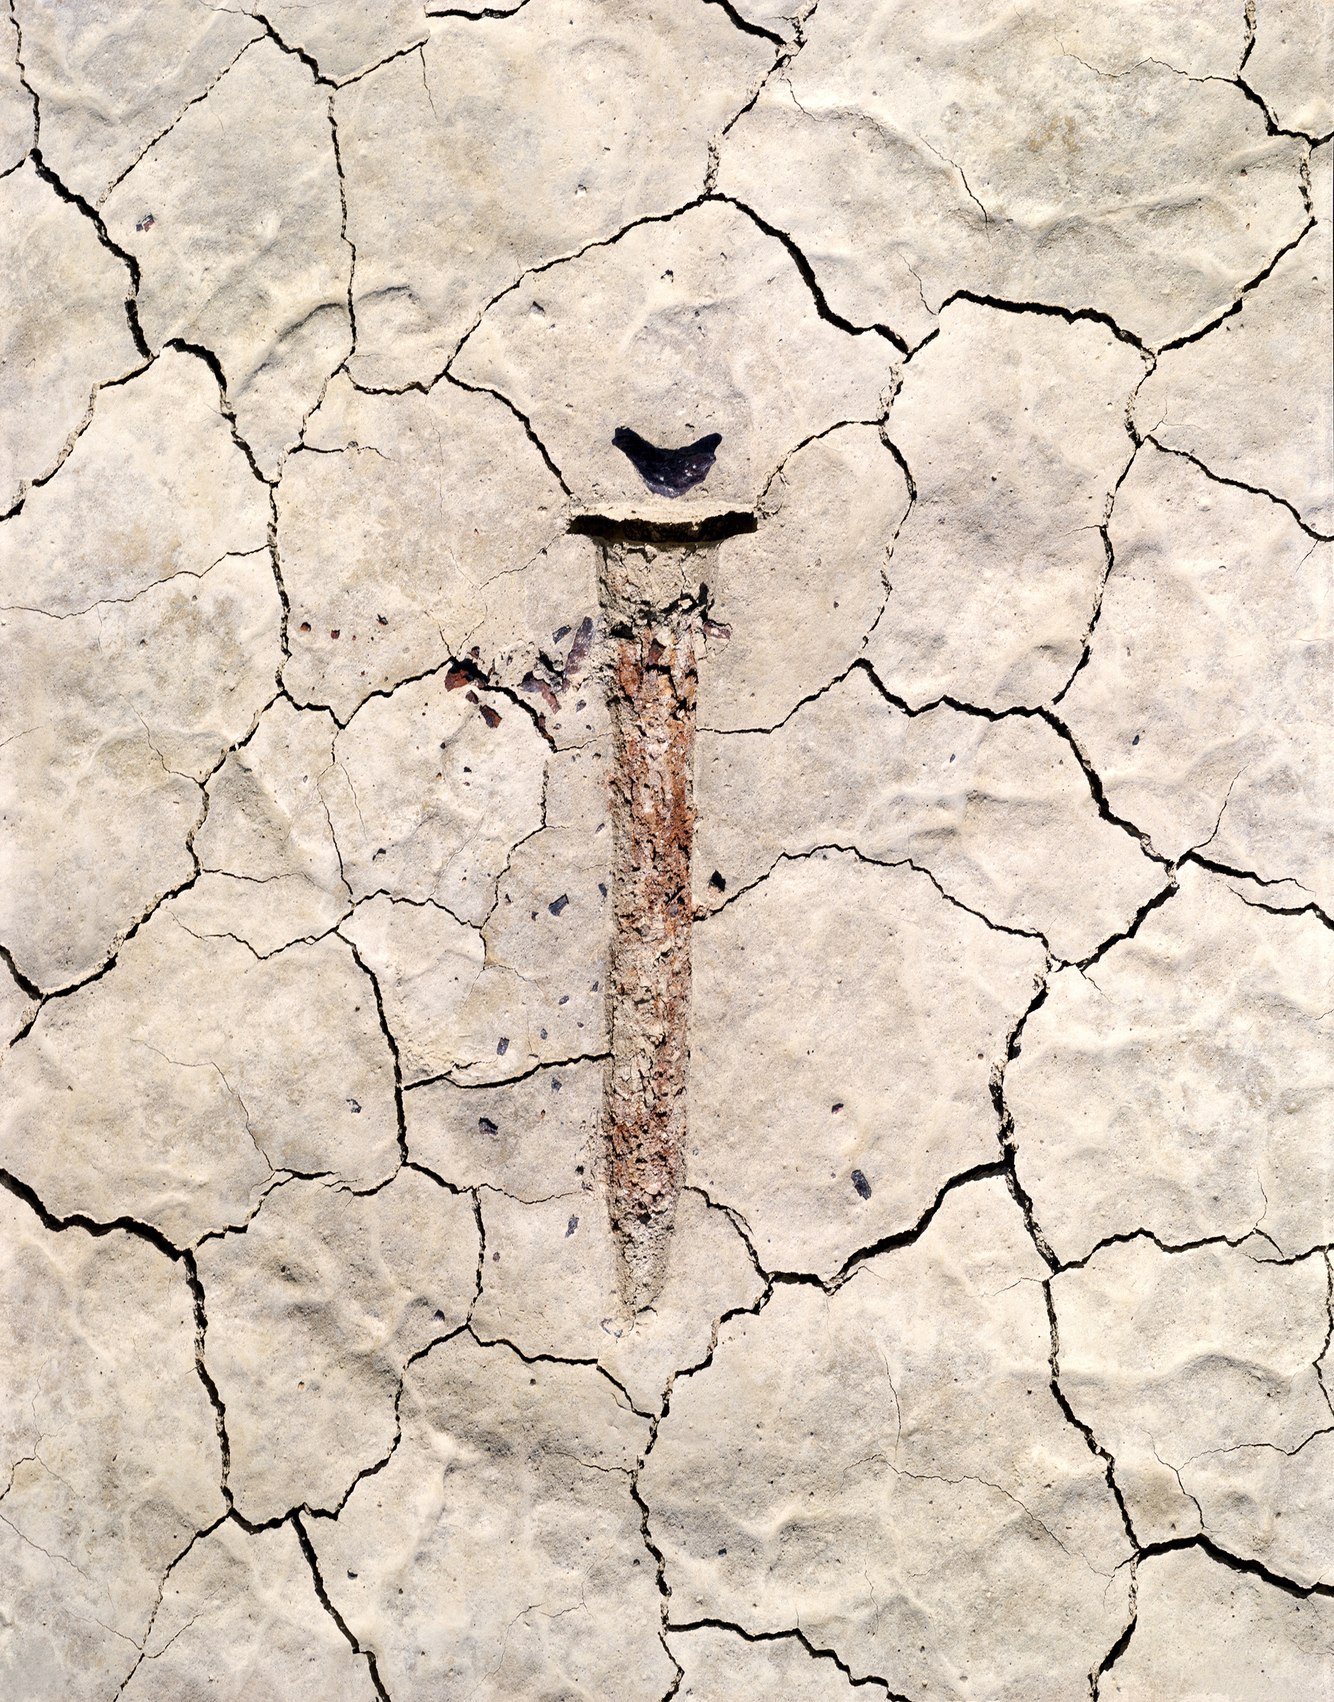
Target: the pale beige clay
pixel 199 1068
pixel 314 1313
pixel 1206 1633
pixel 999 150
pixel 111 1452
pixel 459 183
pixel 59 274
pixel 519 1475
pixel 997 812
pixel 1182 1086
pixel 240 1614
pixel 244 253
pixel 112 81
pixel 1201 1373
pixel 1213 587
pixel 680 329
pixel 616 1088
pixel 885 1444
pixel 847 1020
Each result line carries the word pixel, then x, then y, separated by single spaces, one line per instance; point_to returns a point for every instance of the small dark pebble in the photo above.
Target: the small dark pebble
pixel 555 1084
pixel 334 631
pixel 558 904
pixel 564 999
pixel 837 1106
pixel 487 1127
pixel 860 1183
pixel 717 882
pixel 502 1046
pixel 352 1105
pixel 383 619
pixel 1135 740
pixel 489 715
pixel 560 632
pixel 570 1227
pixel 602 888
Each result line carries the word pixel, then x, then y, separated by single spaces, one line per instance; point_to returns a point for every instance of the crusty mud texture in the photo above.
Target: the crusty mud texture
pixel 666 851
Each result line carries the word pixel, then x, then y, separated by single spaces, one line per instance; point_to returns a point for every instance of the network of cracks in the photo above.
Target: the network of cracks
pixel 991 1356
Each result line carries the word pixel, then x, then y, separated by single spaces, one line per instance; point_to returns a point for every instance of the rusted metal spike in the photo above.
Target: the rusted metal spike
pixel 652 583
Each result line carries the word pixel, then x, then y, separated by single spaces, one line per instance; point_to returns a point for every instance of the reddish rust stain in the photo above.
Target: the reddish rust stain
pixel 652 703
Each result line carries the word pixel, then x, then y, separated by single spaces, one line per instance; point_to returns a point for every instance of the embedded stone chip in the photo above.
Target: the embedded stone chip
pixel 551 924
pixel 845 1023
pixel 699 324
pixel 512 142
pixel 666 876
pixel 530 1138
pixel 314 1313
pixel 413 529
pixel 432 788
pixel 527 986
pixel 451 1012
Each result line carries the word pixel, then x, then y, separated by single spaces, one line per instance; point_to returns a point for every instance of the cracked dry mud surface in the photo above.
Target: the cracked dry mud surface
pixel 987 1356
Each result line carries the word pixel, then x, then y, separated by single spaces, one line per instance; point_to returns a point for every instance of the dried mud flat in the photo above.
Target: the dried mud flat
pixel 948 850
